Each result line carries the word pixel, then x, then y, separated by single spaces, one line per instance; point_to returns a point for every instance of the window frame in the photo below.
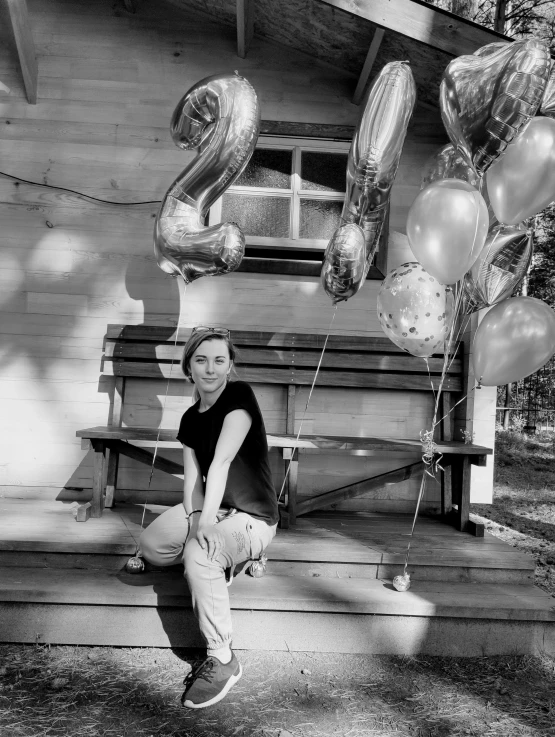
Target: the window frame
pixel 294 194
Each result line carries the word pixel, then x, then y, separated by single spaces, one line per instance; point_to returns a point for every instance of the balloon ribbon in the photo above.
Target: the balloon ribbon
pixel 307 403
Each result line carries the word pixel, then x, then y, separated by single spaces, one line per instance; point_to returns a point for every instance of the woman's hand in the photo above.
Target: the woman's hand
pixel 209 537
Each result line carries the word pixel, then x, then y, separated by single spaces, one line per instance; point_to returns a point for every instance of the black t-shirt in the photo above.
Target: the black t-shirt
pixel 249 486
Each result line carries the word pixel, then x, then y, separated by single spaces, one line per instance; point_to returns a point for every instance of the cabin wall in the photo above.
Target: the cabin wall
pixel 108 83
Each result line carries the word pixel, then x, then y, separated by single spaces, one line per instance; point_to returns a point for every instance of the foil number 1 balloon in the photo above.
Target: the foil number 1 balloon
pixel 371 168
pixel 220 116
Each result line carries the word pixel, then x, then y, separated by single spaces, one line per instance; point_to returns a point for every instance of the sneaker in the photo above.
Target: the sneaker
pixel 210 682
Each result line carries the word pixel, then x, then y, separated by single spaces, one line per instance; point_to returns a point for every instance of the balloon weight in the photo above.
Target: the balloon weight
pixel 135 565
pixel 401 583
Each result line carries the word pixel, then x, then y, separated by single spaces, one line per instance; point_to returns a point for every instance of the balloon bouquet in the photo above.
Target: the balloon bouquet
pixel 470 227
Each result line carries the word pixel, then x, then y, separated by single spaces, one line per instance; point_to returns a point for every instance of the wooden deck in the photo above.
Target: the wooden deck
pixel 328 587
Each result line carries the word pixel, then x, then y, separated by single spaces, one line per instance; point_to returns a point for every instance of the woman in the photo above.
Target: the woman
pixel 229 512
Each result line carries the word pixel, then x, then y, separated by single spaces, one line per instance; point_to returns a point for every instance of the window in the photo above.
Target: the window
pixel 289 199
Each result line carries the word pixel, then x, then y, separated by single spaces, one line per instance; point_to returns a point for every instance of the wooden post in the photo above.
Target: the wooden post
pixel 97 501
pixel 446 434
pixel 245 26
pixel 112 453
pixel 25 46
pixel 368 64
pixel 461 490
pixel 293 477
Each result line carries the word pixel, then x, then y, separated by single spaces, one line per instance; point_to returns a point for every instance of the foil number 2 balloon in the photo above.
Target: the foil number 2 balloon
pixel 220 116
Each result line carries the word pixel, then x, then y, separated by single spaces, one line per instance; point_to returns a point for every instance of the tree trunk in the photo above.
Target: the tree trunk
pixel 499 21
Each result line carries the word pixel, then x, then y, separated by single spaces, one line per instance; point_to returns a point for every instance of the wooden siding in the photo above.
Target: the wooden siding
pixel 108 82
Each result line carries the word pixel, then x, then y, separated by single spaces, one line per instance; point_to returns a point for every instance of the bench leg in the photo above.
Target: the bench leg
pixel 112 477
pixel 292 484
pixel 461 495
pixel 97 501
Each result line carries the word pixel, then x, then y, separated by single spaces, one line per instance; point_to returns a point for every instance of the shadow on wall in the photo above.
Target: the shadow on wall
pixel 155 312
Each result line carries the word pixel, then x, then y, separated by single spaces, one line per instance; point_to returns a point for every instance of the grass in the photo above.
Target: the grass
pixel 523 509
pixel 134 692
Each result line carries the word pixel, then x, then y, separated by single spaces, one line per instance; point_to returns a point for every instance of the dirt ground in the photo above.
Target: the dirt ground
pixel 125 692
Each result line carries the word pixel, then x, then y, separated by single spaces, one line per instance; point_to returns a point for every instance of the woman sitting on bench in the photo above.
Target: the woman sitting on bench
pixel 229 512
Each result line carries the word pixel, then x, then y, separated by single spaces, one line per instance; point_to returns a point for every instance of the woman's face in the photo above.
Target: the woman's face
pixel 210 365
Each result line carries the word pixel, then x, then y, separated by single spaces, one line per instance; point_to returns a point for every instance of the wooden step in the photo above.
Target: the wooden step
pixel 276 612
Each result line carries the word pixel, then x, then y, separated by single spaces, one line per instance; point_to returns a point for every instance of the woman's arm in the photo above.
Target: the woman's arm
pixel 233 433
pixel 193 486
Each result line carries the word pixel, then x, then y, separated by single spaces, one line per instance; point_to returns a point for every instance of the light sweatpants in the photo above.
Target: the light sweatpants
pixel 165 542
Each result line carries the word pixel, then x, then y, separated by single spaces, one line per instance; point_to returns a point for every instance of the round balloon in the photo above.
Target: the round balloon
pixel 447 226
pixel 415 310
pixel 515 338
pixel 522 182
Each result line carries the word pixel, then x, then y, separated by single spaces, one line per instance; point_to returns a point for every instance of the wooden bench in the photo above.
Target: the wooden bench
pixel 290 360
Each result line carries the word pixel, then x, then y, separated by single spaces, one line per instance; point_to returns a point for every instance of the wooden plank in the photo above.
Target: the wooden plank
pixel 278 440
pixel 360 488
pixel 326 377
pixel 245 26
pixel 288 357
pixel 420 21
pixel 21 26
pixel 377 39
pixel 163 333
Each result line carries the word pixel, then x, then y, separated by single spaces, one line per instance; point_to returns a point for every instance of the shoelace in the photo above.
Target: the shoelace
pixel 204 671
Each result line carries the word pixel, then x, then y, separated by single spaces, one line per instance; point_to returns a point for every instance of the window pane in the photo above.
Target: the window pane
pixel 264 216
pixel 323 171
pixel 319 218
pixel 267 168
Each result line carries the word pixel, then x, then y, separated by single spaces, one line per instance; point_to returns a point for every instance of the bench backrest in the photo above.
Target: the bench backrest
pixel 288 359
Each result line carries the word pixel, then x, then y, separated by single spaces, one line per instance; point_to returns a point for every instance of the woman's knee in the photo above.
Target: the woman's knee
pixel 156 550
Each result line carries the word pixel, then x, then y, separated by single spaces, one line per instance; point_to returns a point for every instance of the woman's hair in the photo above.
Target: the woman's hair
pixel 193 343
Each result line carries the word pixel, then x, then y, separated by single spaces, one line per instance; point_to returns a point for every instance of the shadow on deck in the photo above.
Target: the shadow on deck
pixel 328 587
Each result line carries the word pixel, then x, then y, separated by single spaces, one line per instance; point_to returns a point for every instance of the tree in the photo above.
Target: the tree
pixel 514 18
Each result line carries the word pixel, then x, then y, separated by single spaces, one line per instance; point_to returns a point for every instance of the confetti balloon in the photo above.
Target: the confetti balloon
pixel 415 310
pixel 401 583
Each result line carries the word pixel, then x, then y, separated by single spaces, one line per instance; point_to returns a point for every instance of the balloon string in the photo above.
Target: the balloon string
pixel 307 403
pixel 420 495
pixel 430 466
pixel 159 431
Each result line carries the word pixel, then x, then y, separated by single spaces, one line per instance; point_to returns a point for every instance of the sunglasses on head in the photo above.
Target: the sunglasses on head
pixel 206 329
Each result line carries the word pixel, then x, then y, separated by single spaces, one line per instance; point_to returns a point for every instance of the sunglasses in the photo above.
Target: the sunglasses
pixel 206 329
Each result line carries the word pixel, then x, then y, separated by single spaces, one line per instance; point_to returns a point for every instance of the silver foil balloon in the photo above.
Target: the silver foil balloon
pixel 487 97
pixel 547 106
pixel 371 168
pixel 448 163
pixel 344 268
pixel 220 116
pixel 499 268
